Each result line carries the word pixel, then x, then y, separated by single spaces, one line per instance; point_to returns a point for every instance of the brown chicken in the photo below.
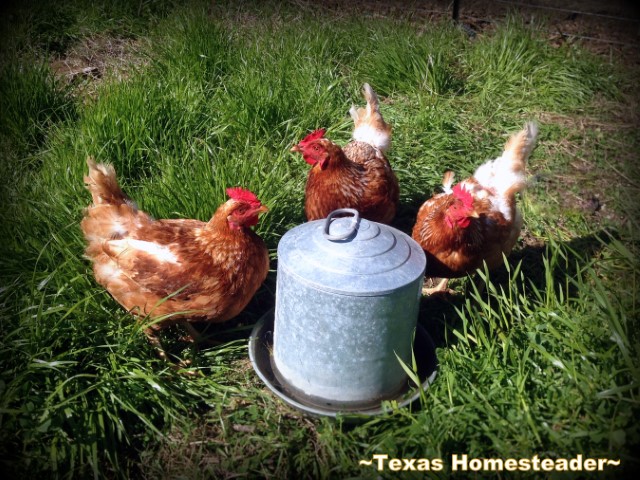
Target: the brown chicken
pixel 358 176
pixel 477 220
pixel 173 271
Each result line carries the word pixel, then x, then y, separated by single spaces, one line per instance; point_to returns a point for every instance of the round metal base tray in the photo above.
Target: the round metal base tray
pixel 261 355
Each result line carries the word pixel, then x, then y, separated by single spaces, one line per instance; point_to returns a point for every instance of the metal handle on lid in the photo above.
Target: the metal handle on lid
pixel 352 228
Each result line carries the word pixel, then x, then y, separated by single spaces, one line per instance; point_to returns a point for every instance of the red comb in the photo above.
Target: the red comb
pixel 461 193
pixel 313 136
pixel 239 193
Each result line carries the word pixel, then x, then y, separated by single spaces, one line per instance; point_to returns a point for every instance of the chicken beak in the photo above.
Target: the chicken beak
pixel 295 148
pixel 474 214
pixel 262 209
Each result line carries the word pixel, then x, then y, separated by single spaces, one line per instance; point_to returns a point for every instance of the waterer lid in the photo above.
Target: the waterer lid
pixel 351 255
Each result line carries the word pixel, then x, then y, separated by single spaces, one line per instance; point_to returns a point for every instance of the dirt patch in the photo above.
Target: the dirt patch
pixel 610 28
pixel 95 58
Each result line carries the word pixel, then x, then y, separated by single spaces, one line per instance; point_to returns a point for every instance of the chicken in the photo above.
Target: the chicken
pixel 477 220
pixel 173 271
pixel 358 176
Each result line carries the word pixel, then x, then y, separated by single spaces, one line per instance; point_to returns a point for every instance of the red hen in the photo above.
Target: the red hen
pixel 174 271
pixel 358 176
pixel 477 220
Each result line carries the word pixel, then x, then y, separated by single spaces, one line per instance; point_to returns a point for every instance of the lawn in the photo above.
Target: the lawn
pixel 188 98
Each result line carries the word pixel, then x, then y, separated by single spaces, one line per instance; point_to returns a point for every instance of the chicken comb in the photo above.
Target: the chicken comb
pixel 462 194
pixel 313 136
pixel 241 194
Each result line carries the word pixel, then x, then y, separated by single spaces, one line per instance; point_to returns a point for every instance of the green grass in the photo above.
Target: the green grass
pixel 543 362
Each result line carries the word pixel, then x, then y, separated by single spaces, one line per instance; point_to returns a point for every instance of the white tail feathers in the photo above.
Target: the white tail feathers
pixel 505 175
pixel 519 146
pixel 447 181
pixel 103 185
pixel 355 116
pixel 369 126
pixel 373 104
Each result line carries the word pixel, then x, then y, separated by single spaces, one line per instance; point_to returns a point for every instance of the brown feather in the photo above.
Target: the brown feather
pixel 357 177
pixel 173 270
pixel 490 228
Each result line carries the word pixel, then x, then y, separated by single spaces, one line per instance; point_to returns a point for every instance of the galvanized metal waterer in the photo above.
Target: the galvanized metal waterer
pixel 347 300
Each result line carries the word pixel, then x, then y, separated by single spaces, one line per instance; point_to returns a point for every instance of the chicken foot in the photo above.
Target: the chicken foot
pixel 154 340
pixel 441 287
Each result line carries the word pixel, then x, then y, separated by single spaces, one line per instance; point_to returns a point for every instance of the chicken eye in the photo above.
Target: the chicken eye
pixel 316 148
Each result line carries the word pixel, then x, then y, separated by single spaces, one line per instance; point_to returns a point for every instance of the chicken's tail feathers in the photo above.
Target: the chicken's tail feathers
pixel 373 104
pixel 506 174
pixel 102 183
pixel 369 125
pixel 355 114
pixel 447 181
pixel 519 146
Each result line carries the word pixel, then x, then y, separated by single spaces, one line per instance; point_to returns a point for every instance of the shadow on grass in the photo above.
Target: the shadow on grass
pixel 407 213
pixel 572 257
pixel 438 312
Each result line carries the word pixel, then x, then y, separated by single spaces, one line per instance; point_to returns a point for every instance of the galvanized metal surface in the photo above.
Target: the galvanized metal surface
pixel 370 259
pixel 261 356
pixel 346 309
